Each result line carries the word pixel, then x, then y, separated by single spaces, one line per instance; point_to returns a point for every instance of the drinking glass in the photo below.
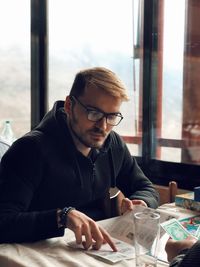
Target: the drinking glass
pixel 146 238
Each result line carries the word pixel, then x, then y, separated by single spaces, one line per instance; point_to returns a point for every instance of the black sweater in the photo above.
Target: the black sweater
pixel 188 257
pixel 43 171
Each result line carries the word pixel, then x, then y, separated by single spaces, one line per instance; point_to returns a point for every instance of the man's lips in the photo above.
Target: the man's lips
pixel 97 135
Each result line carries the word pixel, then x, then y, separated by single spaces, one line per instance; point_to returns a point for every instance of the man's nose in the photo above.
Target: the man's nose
pixel 102 123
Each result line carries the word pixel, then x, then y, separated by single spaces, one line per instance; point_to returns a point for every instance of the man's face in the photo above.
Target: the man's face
pixel 92 134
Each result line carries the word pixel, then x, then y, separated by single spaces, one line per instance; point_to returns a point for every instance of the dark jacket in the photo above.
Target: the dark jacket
pixel 188 257
pixel 43 171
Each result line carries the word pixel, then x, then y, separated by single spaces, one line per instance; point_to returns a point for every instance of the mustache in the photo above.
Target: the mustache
pixel 98 130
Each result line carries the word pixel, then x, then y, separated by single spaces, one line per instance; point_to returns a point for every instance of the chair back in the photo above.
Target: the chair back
pixel 167 193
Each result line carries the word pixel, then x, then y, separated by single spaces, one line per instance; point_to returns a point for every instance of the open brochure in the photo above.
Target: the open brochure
pixel 121 228
pixel 125 251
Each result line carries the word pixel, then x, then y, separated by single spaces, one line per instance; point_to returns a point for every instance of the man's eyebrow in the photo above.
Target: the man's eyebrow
pixel 94 108
pixel 100 110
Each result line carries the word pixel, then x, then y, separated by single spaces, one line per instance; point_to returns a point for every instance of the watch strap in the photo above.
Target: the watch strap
pixel 63 216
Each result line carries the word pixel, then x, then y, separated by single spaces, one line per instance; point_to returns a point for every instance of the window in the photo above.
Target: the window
pixel 172 77
pixel 97 33
pixel 152 45
pixel 170 93
pixel 15 65
pixel 174 74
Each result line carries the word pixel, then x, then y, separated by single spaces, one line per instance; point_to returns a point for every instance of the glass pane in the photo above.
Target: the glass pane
pixel 101 35
pixel 15 65
pixel 172 86
pixel 178 101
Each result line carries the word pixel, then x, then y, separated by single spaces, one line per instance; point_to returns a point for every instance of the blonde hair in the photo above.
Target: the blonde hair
pixel 101 78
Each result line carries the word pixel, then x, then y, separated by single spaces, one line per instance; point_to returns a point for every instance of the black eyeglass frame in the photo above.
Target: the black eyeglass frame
pixel 104 114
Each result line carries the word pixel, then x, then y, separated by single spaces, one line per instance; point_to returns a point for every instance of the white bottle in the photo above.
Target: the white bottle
pixel 7 133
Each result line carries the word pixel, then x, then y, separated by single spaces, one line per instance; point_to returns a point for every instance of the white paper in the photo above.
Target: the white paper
pixel 125 251
pixel 122 227
pixel 122 231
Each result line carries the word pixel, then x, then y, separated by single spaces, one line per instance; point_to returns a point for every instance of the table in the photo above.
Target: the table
pixel 54 252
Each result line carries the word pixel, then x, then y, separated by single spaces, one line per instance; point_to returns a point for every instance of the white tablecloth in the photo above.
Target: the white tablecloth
pixel 54 252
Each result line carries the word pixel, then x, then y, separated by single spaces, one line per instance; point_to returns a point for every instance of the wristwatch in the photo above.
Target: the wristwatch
pixel 63 216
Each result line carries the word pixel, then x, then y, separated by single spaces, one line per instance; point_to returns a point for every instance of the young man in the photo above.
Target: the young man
pixel 71 159
pixel 184 253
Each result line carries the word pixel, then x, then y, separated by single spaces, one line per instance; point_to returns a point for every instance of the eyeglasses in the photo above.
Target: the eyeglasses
pixel 95 115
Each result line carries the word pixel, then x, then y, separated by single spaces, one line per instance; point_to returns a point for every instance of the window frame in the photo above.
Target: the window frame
pixel 159 172
pixel 39 60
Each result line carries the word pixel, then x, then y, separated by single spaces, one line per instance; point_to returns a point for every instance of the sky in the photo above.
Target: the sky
pixel 99 21
pixel 15 14
pixel 72 23
pixel 100 25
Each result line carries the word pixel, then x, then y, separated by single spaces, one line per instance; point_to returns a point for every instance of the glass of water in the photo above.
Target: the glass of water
pixel 146 238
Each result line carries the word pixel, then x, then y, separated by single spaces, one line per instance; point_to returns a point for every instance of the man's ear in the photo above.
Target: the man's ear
pixel 67 105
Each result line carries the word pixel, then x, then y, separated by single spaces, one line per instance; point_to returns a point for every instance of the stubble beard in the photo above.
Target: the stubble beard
pixel 89 144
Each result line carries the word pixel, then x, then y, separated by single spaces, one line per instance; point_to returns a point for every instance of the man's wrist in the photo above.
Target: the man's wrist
pixel 62 216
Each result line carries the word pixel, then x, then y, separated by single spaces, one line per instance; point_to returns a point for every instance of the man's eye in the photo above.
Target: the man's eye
pixel 95 113
pixel 112 117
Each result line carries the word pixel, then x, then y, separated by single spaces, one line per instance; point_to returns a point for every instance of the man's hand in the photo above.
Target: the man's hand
pixel 173 247
pixel 94 235
pixel 128 205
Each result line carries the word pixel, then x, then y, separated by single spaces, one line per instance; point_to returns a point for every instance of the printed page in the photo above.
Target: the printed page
pixel 125 251
pixel 121 228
